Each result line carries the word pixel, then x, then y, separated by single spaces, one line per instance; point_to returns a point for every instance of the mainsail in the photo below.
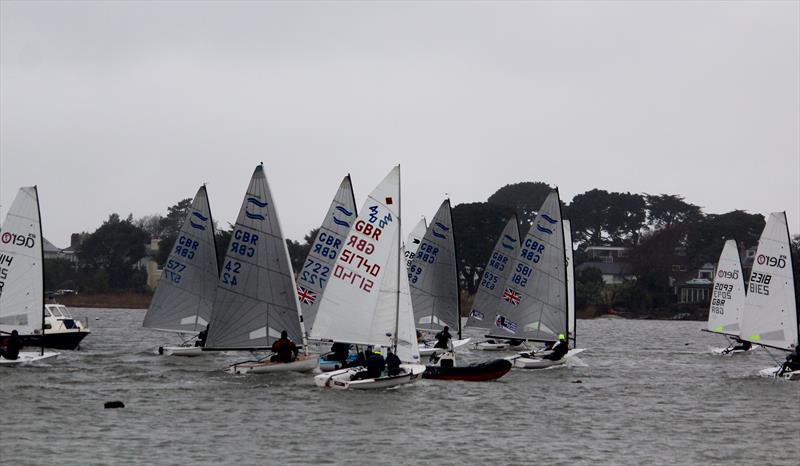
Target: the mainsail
pixel 490 289
pixel 21 268
pixel 433 276
pixel 185 293
pixel 571 317
pixel 727 300
pixel 363 299
pixel 534 302
pixel 770 312
pixel 414 238
pixel 316 271
pixel 256 294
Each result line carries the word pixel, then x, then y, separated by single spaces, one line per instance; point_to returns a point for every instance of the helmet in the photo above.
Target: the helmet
pixel 561 337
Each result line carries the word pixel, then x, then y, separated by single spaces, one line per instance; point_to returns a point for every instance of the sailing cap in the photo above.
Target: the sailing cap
pixel 561 336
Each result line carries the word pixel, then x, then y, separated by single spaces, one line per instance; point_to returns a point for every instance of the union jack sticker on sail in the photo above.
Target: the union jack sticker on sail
pixel 306 296
pixel 512 296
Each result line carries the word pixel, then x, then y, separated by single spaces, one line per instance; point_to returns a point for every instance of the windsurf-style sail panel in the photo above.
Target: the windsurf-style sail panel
pixel 770 312
pixel 727 299
pixel 185 293
pixel 360 302
pixel 21 268
pixel 433 277
pixel 490 289
pixel 571 317
pixel 414 238
pixel 256 293
pixel 316 271
pixel 534 302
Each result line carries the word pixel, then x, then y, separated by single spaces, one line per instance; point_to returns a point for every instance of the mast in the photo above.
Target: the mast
pixel 41 258
pixel 455 255
pixel 794 280
pixel 564 248
pixel 399 260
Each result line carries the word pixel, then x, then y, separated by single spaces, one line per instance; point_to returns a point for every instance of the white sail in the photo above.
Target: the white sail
pixel 497 270
pixel 770 311
pixel 727 300
pixel 360 302
pixel 433 277
pixel 316 271
pixel 414 238
pixel 185 293
pixel 534 303
pixel 407 346
pixel 571 317
pixel 256 295
pixel 21 268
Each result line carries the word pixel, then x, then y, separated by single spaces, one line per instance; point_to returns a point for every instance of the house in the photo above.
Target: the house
pixel 611 261
pixel 696 287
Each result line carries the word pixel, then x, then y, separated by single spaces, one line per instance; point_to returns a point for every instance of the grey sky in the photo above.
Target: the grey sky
pixel 129 107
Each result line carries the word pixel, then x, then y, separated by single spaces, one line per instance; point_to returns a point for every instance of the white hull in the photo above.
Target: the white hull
pixel 303 363
pixel 26 357
pixel 425 350
pixel 341 379
pixel 772 373
pixel 522 362
pixel 186 351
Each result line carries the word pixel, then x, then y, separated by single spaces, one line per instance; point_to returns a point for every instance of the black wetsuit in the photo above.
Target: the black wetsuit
pixel 201 338
pixel 560 350
pixel 742 345
pixel 13 345
pixel 393 364
pixel 441 339
pixel 340 352
pixel 792 363
pixel 375 366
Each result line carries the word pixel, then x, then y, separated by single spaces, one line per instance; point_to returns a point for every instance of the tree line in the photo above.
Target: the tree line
pixel 654 226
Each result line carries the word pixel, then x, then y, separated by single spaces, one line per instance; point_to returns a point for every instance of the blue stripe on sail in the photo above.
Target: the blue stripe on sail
pixel 340 222
pixel 442 226
pixel 196 225
pixel 254 216
pixel 510 238
pixel 549 219
pixel 508 246
pixel 438 235
pixel 256 201
pixel 344 211
pixel 200 216
pixel 543 229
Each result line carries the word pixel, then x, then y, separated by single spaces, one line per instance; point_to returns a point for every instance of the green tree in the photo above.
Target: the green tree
pixel 666 210
pixel 477 227
pixel 523 198
pixel 652 261
pixel 176 215
pixel 298 252
pixel 589 287
pixel 707 236
pixel 115 248
pixel 600 217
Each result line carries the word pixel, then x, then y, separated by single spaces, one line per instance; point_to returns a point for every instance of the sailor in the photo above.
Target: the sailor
pixel 201 337
pixel 443 338
pixel 560 349
pixel 791 364
pixel 393 364
pixel 13 345
pixel 375 365
pixel 739 344
pixel 285 350
pixel 340 352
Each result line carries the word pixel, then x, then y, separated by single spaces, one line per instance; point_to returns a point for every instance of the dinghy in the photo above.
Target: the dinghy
pixel 446 369
pixel 727 300
pixel 22 276
pixel 770 314
pixel 367 300
pixel 256 297
pixel 433 279
pixel 529 361
pixel 185 292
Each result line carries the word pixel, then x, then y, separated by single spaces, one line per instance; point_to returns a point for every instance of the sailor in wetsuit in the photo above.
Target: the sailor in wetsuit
pixel 285 350
pixel 13 345
pixel 443 338
pixel 739 344
pixel 560 349
pixel 393 364
pixel 791 364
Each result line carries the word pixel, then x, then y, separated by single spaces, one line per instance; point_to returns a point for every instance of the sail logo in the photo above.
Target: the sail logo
pixel 730 275
pixel 771 261
pixel 199 216
pixel 505 323
pixel 339 222
pixel 441 227
pixel 477 314
pixel 257 202
pixel 19 240
pixel 511 242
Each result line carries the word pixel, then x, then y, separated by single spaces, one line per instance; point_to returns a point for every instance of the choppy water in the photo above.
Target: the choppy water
pixel 650 394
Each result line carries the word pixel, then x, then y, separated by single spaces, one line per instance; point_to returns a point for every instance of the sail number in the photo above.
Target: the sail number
pixel 414 271
pixel 498 261
pixel 230 272
pixel 172 270
pixel 315 272
pixel 521 275
pixel 532 251
pixel 489 280
pixel 186 247
pixel 759 283
pixel 427 253
pixel 327 245
pixel 244 243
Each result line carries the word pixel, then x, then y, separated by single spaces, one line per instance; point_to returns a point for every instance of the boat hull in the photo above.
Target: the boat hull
pixel 303 363
pixel 772 373
pixel 491 370
pixel 522 362
pixel 186 351
pixel 67 340
pixel 26 357
pixel 341 379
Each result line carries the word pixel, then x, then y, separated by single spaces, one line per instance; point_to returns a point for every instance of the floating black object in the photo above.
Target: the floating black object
pixel 113 404
pixel 577 381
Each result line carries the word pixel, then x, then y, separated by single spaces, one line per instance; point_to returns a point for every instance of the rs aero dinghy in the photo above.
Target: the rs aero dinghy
pixel 367 300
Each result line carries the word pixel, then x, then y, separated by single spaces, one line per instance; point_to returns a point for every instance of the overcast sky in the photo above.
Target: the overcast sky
pixel 128 107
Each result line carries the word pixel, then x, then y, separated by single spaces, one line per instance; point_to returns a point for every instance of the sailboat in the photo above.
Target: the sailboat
pixel 490 290
pixel 727 300
pixel 316 272
pixel 770 314
pixel 433 279
pixel 185 292
pixel 256 297
pixel 367 300
pixel 22 275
